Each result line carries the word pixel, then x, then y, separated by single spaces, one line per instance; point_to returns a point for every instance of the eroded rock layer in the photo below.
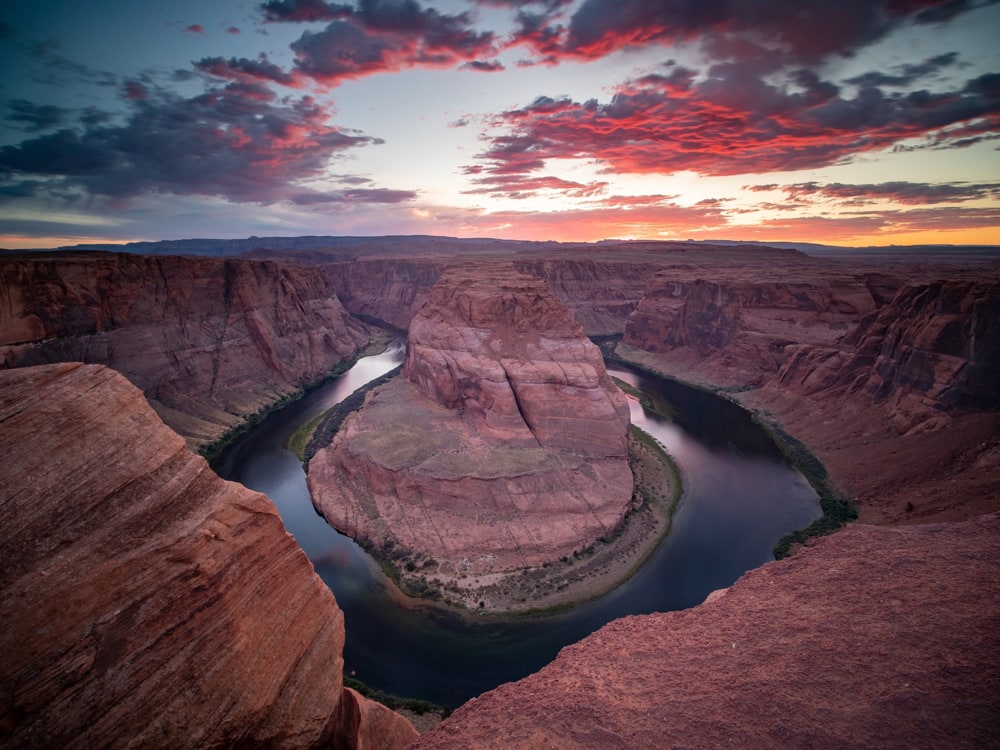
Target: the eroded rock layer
pixel 502 447
pixel 209 342
pixel 146 602
pixel 873 637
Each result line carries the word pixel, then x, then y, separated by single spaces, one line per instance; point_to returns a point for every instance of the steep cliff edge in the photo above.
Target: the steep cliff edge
pixel 503 447
pixel 209 342
pixel 872 637
pixel 146 602
pixel 902 405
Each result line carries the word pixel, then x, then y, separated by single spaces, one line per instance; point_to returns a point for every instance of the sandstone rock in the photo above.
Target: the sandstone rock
pixel 500 345
pixel 146 602
pixel 503 447
pixel 208 341
pixel 870 638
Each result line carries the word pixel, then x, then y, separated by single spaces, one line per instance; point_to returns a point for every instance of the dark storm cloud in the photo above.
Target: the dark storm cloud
pixel 31 117
pixel 238 142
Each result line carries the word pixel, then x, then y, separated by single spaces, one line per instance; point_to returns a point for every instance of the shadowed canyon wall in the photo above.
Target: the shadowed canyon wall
pixel 209 342
pixel 146 602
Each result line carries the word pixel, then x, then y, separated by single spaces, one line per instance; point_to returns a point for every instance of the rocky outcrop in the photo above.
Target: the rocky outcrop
pixel 209 342
pixel 146 602
pixel 934 350
pixel 391 290
pixel 873 637
pixel 503 446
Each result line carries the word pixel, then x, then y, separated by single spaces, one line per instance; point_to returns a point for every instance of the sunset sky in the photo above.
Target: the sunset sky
pixel 853 122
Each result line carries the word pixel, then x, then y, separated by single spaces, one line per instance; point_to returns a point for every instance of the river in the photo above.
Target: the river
pixel 740 497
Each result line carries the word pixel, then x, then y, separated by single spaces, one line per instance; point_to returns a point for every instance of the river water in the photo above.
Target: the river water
pixel 740 497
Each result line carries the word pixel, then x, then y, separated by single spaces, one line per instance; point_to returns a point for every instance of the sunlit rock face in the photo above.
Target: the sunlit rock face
pixel 502 446
pixel 501 346
pixel 209 342
pixel 147 602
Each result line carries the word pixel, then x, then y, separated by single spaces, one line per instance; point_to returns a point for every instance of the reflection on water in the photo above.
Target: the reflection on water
pixel 740 498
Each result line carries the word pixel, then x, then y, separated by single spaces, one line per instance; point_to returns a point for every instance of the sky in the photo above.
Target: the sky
pixel 856 122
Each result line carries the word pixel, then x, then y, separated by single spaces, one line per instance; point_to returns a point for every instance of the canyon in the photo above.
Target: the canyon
pixel 886 368
pixel 210 342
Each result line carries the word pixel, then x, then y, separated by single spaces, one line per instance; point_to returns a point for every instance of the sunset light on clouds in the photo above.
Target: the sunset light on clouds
pixel 854 123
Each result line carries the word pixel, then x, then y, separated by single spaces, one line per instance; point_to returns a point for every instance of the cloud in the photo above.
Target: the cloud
pixel 484 66
pixel 906 193
pixel 238 142
pixel 244 69
pixel 195 28
pixel 31 117
pixel 905 75
pixel 382 36
pixel 806 31
pixel 617 216
pixel 279 11
pixel 734 121
pixel 232 30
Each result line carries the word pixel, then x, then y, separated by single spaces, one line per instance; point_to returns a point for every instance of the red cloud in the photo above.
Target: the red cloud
pixel 195 28
pixel 730 123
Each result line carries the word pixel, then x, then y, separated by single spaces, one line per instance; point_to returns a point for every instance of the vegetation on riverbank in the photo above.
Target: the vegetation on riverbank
pixel 319 432
pixel 379 341
pixel 396 703
pixel 837 508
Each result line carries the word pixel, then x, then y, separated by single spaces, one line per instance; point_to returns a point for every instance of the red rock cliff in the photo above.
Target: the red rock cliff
pixel 208 341
pixel 146 602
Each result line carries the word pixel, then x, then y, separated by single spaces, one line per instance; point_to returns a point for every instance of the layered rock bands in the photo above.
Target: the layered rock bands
pixel 148 603
pixel 503 446
pixel 210 342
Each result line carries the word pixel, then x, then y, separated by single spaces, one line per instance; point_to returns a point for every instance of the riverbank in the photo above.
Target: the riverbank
pixel 379 341
pixel 587 574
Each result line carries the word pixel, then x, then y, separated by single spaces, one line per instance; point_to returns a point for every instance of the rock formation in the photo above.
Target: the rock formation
pixel 209 342
pixel 873 637
pixel 502 447
pixel 146 602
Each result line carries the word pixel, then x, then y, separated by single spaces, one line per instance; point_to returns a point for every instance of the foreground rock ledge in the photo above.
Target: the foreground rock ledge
pixel 146 602
pixel 503 446
pixel 873 637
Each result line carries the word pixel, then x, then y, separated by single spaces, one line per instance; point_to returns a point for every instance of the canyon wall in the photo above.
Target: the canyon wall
pixel 872 637
pixel 209 342
pixel 894 382
pixel 148 603
pixel 504 445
